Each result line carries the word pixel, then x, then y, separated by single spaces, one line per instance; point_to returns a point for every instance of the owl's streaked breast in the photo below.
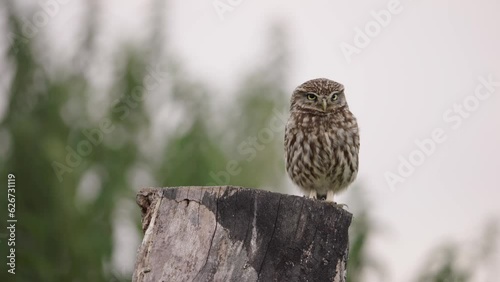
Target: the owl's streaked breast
pixel 321 151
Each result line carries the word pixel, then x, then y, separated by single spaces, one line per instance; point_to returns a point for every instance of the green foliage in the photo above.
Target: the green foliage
pixel 452 262
pixel 58 138
pixel 250 153
pixel 444 267
pixel 363 227
pixel 260 120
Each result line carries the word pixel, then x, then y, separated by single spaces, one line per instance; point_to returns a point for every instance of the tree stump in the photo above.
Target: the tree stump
pixel 239 234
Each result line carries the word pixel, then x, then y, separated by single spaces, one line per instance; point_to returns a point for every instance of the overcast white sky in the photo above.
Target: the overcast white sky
pixel 428 58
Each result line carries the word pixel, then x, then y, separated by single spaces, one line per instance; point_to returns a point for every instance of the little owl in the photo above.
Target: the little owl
pixel 321 139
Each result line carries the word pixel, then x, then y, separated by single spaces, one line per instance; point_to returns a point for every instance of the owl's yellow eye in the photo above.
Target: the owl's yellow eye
pixel 311 97
pixel 335 97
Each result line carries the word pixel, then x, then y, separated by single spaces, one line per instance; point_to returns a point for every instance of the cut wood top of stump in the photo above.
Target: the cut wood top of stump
pixel 239 234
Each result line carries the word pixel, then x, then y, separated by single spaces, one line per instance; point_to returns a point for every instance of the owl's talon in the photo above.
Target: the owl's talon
pixel 340 206
pixel 313 194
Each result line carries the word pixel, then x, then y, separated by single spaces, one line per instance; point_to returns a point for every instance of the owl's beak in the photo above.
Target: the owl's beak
pixel 324 105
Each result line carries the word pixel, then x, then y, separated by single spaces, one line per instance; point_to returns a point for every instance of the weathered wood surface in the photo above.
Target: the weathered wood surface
pixel 239 234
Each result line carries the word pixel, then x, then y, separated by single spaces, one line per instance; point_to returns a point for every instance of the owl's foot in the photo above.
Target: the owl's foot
pixel 329 198
pixel 340 206
pixel 313 194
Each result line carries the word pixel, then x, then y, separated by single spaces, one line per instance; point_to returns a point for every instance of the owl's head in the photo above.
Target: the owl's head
pixel 319 95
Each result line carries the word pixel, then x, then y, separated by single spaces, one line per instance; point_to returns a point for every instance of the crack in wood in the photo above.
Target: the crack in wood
pixel 299 218
pixel 148 237
pixel 213 235
pixel 272 236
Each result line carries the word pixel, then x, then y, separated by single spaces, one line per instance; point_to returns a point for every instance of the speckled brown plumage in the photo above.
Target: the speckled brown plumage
pixel 321 139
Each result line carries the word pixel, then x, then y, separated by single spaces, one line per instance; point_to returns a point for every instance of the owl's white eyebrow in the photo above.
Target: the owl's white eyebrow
pixel 303 90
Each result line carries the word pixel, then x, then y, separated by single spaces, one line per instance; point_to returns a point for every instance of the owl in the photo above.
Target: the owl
pixel 321 139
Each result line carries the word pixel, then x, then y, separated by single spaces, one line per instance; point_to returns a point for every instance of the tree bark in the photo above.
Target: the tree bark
pixel 239 234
